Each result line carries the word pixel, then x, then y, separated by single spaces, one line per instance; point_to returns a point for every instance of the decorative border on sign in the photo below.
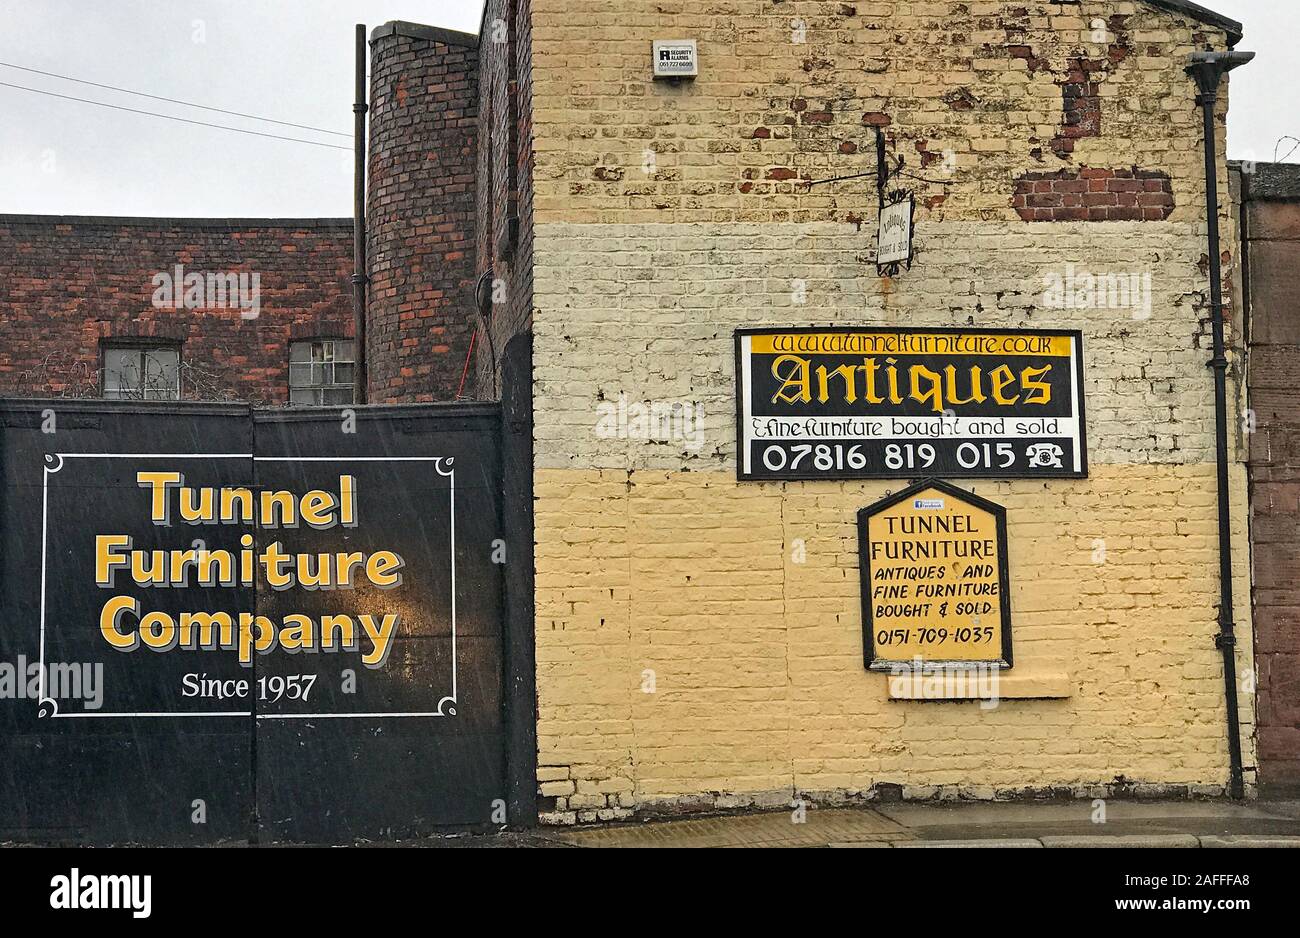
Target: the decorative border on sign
pixel 443 465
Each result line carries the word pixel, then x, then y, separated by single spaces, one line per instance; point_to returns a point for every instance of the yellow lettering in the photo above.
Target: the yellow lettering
pixel 1002 376
pixel 381 636
pixel 108 621
pixel 196 513
pixel 157 483
pixel 1043 388
pixel 846 373
pixel 317 508
pixel 383 568
pixel 106 558
pixel 934 394
pixel 794 383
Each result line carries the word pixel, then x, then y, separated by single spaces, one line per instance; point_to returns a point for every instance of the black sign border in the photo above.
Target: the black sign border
pixel 849 475
pixel 873 662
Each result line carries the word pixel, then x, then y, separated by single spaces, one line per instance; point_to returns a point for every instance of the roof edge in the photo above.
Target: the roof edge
pixel 1270 182
pixel 1234 29
pixel 117 221
pixel 449 37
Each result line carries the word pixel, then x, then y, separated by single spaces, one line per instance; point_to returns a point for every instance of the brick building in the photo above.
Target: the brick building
pixel 699 638
pixel 152 307
pixel 1268 198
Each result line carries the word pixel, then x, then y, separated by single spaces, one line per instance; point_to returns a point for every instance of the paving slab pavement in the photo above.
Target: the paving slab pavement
pixel 1066 824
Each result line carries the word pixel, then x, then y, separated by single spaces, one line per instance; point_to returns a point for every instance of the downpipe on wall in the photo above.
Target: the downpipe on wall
pixel 1208 69
pixel 359 277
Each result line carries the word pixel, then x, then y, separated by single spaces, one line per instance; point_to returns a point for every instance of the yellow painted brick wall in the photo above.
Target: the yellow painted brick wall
pixel 689 655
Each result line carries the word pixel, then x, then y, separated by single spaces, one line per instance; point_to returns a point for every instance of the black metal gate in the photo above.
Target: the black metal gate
pixel 287 625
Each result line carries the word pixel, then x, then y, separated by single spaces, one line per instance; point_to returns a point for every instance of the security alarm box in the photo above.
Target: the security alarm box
pixel 676 58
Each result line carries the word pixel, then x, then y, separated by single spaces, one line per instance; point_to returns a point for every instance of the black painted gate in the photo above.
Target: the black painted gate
pixel 218 623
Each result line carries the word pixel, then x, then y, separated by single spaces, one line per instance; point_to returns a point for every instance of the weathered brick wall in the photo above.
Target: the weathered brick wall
pixel 668 215
pixel 504 210
pixel 68 285
pixel 420 211
pixel 1271 228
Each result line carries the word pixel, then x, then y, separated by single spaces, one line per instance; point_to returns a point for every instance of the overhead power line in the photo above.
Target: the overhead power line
pixel 204 107
pixel 183 120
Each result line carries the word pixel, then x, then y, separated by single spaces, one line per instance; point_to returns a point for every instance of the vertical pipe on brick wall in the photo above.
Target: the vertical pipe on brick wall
pixel 359 278
pixel 1208 69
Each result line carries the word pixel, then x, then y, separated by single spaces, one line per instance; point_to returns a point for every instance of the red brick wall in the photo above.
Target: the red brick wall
pixel 420 210
pixel 68 285
pixel 1272 229
pixel 505 198
pixel 1094 194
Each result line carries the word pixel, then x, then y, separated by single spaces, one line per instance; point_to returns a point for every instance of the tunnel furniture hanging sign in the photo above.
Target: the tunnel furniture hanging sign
pixel 869 403
pixel 933 561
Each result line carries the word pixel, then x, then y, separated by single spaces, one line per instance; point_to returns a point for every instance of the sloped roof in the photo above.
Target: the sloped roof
pixel 1234 29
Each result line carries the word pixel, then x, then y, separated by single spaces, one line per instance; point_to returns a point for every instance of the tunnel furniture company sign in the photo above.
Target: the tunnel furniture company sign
pixel 867 403
pixel 259 589
pixel 933 561
pixel 292 616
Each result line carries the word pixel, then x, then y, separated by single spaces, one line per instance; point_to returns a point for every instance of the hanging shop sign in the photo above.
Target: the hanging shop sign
pixel 894 235
pixel 871 403
pixel 933 561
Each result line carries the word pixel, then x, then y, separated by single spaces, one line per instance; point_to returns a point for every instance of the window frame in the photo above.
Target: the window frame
pixel 143 347
pixel 319 390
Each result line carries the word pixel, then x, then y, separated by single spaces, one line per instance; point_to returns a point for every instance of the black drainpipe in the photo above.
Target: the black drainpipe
pixel 359 277
pixel 1208 69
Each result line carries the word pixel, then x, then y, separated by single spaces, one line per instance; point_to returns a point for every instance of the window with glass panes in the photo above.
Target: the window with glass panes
pixel 321 371
pixel 141 373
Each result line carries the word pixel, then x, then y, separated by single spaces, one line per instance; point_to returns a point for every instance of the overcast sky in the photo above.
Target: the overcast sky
pixel 292 60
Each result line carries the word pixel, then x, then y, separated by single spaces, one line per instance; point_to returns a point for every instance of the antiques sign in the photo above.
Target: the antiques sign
pixel 868 403
pixel 933 561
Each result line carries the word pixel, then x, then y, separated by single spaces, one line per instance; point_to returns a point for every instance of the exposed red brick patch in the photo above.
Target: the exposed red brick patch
pixel 848 146
pixel 927 157
pixel 1036 63
pixel 1094 194
pixel 782 172
pixel 960 99
pixel 1081 91
pixel 877 119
